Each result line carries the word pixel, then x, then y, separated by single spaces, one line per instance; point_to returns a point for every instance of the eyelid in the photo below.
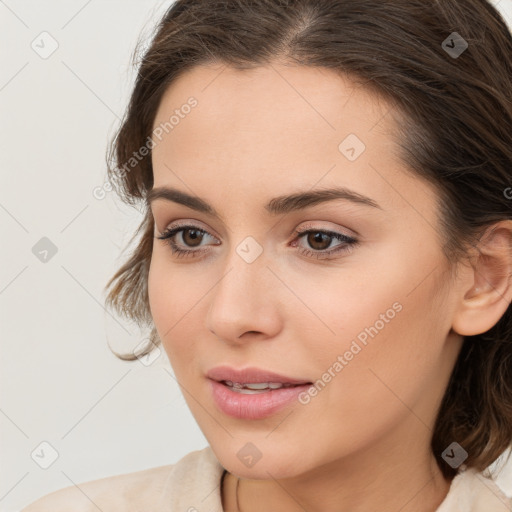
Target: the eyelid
pixel 296 231
pixel 312 226
pixel 187 223
pixel 346 246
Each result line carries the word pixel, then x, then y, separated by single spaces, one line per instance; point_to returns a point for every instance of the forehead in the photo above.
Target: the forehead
pixel 321 101
pixel 275 125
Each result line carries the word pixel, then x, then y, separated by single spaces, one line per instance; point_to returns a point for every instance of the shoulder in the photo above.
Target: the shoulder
pixel 475 491
pixel 104 493
pixel 153 488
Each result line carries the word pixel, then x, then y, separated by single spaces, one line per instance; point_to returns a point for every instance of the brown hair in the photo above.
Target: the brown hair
pixel 456 132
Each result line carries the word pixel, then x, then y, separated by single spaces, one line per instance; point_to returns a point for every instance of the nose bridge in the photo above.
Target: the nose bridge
pixel 240 301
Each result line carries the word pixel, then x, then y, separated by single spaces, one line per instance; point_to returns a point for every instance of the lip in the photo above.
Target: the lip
pixel 253 406
pixel 251 374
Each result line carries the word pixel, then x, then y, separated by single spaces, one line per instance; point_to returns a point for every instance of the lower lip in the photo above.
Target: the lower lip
pixel 254 406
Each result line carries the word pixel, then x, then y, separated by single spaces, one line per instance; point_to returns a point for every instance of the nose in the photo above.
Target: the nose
pixel 245 302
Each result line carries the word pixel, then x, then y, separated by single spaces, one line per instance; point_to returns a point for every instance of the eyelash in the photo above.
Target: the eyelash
pixel 349 242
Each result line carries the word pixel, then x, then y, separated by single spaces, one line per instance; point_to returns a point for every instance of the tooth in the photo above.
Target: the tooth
pixel 232 384
pixel 257 385
pixel 250 391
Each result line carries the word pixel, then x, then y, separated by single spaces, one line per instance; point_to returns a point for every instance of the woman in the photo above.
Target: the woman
pixel 325 254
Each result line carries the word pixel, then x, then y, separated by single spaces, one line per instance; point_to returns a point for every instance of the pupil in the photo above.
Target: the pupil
pixel 194 235
pixel 318 238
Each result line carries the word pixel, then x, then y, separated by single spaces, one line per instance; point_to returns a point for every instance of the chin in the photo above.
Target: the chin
pixel 254 461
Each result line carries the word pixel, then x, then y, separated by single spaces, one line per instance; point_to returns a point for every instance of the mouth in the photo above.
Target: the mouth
pixel 256 388
pixel 253 379
pixel 253 393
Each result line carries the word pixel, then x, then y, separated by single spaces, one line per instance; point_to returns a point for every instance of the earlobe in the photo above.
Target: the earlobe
pixel 486 292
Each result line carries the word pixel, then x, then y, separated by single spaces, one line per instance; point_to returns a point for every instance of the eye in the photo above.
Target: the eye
pixel 189 234
pixel 319 240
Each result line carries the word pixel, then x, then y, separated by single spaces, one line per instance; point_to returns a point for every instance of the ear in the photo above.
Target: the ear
pixel 487 291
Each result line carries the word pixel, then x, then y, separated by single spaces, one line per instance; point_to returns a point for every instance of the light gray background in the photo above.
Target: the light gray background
pixel 60 383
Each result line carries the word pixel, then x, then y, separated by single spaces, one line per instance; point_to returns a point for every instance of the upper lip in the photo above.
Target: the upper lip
pixel 250 375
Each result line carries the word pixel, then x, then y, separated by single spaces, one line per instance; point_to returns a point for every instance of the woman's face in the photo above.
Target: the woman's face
pixel 368 322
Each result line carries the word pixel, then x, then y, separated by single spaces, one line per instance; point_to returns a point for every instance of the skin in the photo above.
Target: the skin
pixel 363 443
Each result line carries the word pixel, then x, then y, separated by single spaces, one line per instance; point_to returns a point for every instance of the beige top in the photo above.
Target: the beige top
pixel 193 485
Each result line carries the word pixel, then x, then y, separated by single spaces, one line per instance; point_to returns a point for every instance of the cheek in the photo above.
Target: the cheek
pixel 175 300
pixel 386 323
pixel 158 293
pixel 391 353
pixel 171 292
pixel 165 300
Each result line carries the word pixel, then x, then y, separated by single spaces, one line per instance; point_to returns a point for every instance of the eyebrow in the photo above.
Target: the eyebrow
pixel 276 206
